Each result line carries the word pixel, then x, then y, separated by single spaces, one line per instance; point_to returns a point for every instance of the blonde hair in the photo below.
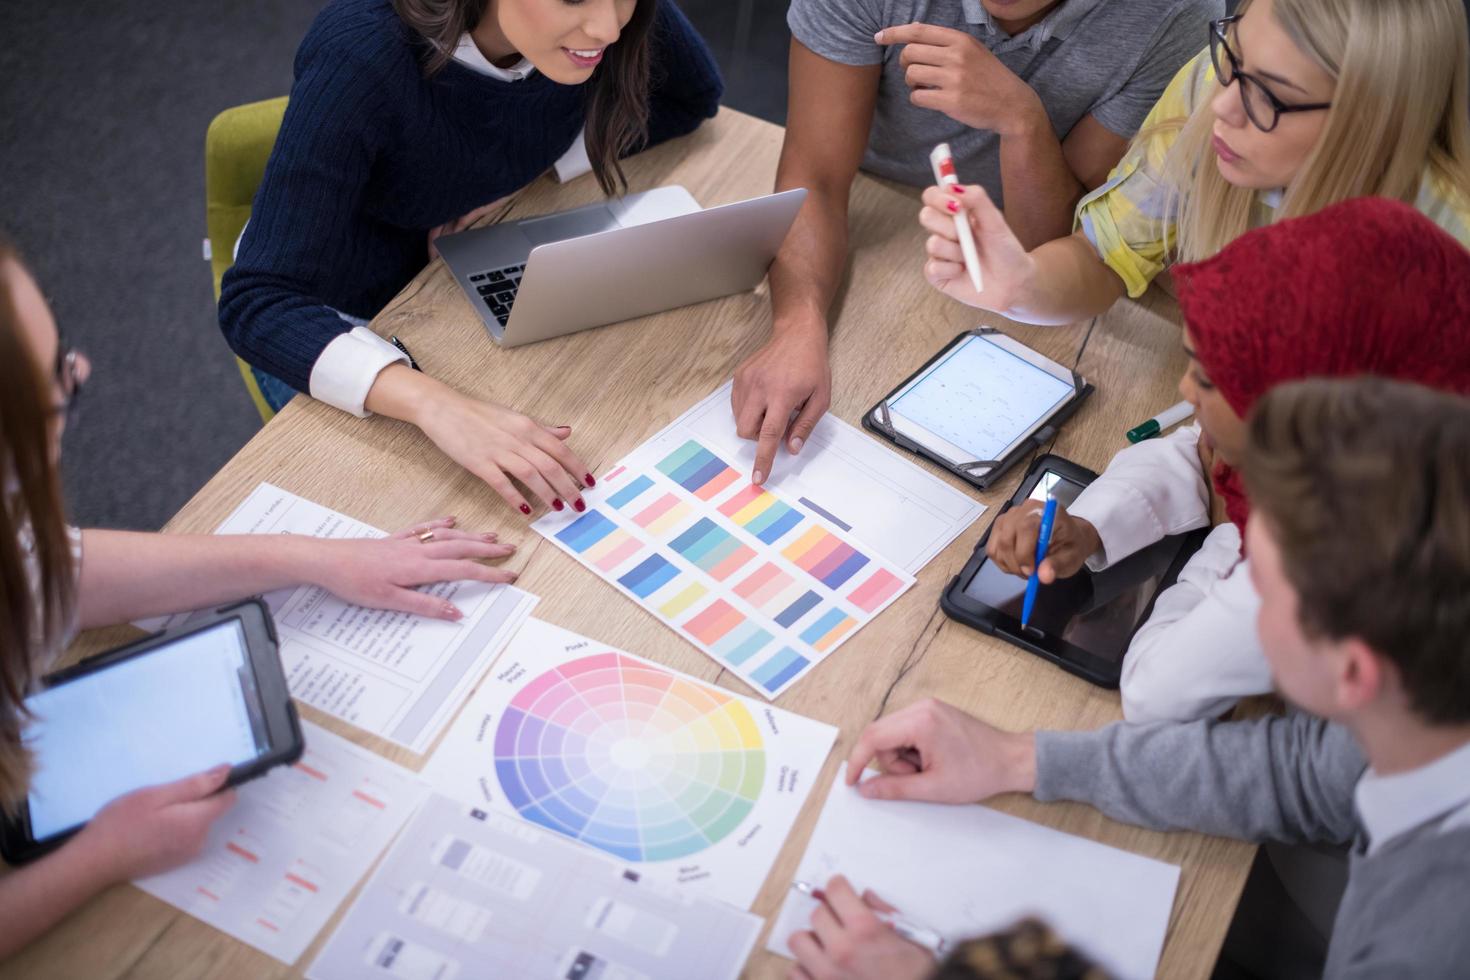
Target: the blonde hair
pixel 1401 107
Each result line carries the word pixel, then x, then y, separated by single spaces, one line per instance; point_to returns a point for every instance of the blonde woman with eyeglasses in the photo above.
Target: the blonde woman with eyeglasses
pixel 1294 105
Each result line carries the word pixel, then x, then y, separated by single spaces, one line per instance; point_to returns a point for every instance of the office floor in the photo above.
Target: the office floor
pixel 103 108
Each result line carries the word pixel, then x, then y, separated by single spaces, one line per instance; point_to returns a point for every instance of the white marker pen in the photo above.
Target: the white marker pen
pixel 944 176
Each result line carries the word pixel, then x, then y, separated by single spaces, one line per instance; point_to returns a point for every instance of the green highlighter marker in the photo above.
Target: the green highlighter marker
pixel 1160 422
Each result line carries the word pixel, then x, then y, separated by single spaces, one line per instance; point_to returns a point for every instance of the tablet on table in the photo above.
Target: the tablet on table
pixel 1084 623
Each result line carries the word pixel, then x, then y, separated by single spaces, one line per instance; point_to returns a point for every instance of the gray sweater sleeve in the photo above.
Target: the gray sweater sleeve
pixel 1285 779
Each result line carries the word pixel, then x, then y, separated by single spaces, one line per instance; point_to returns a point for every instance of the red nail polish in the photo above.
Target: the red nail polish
pixel 819 895
pixel 556 504
pixel 525 508
pixel 579 505
pixel 954 206
pixel 589 480
pixel 956 189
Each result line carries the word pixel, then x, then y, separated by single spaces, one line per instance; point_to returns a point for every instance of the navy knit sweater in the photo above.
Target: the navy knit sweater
pixel 372 155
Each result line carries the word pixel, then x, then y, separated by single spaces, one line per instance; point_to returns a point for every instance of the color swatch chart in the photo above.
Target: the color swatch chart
pixel 638 761
pixel 761 584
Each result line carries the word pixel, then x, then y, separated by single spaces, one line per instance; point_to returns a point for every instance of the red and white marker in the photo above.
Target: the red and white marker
pixel 945 176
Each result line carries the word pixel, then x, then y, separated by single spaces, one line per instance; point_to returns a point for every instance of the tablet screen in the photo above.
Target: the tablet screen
pixel 174 711
pixel 982 398
pixel 1096 611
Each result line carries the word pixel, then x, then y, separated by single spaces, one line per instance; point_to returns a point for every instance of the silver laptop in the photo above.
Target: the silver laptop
pixel 544 277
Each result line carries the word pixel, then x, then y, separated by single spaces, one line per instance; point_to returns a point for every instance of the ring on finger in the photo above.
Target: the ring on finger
pixel 426 536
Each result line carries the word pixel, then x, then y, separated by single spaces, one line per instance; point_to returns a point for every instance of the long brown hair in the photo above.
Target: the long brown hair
pixel 616 95
pixel 33 613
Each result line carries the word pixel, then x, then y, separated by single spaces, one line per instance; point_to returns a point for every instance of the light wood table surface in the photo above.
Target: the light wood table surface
pixel 617 386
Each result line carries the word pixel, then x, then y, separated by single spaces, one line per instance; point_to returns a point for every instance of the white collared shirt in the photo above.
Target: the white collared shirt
pixel 468 53
pixel 1391 806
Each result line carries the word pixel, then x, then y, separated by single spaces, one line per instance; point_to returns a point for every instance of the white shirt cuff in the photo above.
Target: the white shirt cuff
pixel 1123 519
pixel 347 367
pixel 575 162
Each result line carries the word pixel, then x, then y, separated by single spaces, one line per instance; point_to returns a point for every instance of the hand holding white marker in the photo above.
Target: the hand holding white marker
pixel 944 176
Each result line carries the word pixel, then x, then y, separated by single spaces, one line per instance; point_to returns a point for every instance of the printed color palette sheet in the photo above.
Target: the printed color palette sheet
pixel 692 784
pixel 766 587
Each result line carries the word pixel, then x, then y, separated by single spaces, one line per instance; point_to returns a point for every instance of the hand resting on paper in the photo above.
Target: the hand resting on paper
pixel 384 573
pixel 847 941
pixel 935 752
pixel 1012 543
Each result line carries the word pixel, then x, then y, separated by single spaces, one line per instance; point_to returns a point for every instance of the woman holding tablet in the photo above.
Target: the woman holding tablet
pixel 406 117
pixel 1368 286
pixel 54 580
pixel 1297 104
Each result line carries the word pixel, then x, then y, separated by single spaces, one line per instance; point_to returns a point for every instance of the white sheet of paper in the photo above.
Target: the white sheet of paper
pixel 390 673
pixel 687 783
pixel 466 894
pixel 907 514
pixel 277 865
pixel 967 871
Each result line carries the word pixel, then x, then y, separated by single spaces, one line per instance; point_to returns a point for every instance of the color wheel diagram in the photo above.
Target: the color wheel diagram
pixel 687 781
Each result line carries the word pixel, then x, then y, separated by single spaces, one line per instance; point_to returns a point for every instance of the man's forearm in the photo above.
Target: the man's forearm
pixel 808 268
pixel 1040 189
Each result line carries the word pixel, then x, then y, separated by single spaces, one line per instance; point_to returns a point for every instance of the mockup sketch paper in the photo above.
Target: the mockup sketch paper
pixel 968 871
pixel 278 864
pixel 466 893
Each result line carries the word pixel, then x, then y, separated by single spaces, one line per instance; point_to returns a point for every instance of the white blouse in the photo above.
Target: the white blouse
pixel 1198 653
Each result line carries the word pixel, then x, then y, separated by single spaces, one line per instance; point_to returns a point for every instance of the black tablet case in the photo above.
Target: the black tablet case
pixel 994 469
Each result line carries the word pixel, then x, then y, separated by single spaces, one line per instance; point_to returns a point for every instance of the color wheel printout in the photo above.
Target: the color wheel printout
pixel 690 784
pixel 766 586
pixel 467 894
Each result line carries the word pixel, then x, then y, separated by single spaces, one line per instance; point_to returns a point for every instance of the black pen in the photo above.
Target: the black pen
pixel 400 345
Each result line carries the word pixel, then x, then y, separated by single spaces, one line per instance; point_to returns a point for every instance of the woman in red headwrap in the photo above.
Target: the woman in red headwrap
pixel 1368 286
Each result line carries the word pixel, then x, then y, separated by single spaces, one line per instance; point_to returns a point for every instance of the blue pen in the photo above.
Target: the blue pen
pixel 1043 539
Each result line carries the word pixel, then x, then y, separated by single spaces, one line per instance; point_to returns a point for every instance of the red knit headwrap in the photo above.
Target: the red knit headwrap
pixel 1367 286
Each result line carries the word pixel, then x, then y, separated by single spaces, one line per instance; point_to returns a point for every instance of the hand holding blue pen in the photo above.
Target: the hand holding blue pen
pixel 1043 538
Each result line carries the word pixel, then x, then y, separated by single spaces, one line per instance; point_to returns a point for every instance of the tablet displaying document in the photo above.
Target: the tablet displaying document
pixel 979 404
pixel 153 712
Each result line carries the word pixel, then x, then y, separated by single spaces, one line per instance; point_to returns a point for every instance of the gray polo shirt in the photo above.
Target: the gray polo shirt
pixel 1107 58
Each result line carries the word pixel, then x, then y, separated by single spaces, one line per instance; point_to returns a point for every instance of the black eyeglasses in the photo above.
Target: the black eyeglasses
pixel 71 374
pixel 1262 107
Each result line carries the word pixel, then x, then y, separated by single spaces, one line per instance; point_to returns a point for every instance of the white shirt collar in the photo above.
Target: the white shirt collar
pixel 1391 806
pixel 469 55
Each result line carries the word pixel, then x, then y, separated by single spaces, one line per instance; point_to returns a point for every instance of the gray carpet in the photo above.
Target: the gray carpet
pixel 103 108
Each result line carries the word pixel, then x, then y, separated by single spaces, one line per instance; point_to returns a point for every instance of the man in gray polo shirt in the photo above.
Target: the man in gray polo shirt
pixel 1037 99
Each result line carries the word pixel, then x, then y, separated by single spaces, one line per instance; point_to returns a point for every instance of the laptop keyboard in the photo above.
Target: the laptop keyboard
pixel 497 288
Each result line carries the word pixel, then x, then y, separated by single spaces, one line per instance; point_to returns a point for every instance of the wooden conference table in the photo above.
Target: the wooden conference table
pixel 617 386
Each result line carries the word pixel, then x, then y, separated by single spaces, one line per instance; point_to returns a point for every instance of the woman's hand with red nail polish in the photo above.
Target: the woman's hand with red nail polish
pixel 504 448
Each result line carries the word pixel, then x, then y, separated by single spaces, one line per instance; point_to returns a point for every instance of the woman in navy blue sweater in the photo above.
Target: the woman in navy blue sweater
pixel 405 118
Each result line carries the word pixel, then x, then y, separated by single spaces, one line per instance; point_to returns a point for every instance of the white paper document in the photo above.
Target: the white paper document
pixel 393 674
pixel 687 783
pixel 968 871
pixel 905 513
pixel 276 866
pixel 467 894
